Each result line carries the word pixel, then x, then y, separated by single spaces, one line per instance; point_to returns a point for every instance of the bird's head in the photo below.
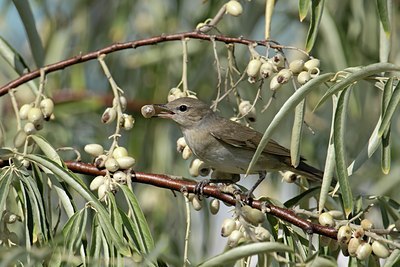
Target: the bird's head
pixel 186 111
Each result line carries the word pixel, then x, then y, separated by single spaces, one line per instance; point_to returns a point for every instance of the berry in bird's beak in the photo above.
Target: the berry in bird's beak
pixel 157 110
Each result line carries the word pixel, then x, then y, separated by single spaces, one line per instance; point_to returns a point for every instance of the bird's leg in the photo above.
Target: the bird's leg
pixel 261 177
pixel 199 188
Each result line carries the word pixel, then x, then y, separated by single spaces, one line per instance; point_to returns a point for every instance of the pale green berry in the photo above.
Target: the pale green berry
pixel 24 110
pixel 284 76
pixel 96 182
pixel 102 191
pixel 47 107
pixel 148 111
pixel 278 60
pixel 234 238
pixel 29 128
pixel 344 234
pixel 326 219
pixel 122 102
pixel 247 109
pixel 303 77
pixel 109 115
pixel 228 226
pixel 296 66
pixel 197 203
pixel 128 121
pixel 274 84
pixel 120 152
pixel 253 216
pixel 363 251
pixel 289 177
pixel 180 144
pixel 94 149
pixel 126 162
pixel 262 234
pixel 195 166
pixel 214 206
pixel 367 224
pixel 234 8
pixel 267 69
pixel 111 165
pixel 312 64
pixel 380 250
pixel 353 245
pixel 120 177
pixel 35 115
pixel 253 68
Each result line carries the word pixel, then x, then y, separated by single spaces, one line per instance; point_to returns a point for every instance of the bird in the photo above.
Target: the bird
pixel 228 146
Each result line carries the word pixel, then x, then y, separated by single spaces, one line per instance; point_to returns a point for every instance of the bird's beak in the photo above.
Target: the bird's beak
pixel 162 111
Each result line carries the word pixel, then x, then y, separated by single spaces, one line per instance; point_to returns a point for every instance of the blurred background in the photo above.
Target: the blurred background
pixel 348 36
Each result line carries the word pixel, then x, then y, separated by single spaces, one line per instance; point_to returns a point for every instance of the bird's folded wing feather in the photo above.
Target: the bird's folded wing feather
pixel 239 135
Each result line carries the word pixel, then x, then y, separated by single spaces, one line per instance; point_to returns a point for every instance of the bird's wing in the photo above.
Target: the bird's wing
pixel 238 135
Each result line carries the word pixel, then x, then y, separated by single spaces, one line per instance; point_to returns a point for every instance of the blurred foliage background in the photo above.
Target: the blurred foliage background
pixel 348 36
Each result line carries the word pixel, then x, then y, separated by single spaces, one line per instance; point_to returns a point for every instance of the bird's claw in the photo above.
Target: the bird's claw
pixel 199 187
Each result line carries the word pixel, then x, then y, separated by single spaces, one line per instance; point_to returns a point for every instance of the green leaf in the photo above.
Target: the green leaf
pixel 338 140
pixel 74 230
pixel 330 162
pixel 304 195
pixel 25 12
pixel 317 7
pixel 6 178
pixel 384 15
pixel 74 182
pixel 391 108
pixel 385 155
pixel 141 228
pixel 357 75
pixel 47 149
pixel 12 57
pixel 235 254
pixel 394 259
pixel 292 102
pixel 304 5
pixel 297 132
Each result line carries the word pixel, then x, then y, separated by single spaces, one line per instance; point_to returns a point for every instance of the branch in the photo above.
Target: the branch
pixel 133 44
pixel 176 184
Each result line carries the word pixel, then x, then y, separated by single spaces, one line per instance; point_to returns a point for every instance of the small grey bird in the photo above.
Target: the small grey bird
pixel 228 146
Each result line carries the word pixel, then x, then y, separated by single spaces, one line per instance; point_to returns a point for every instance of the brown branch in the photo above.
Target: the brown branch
pixel 165 181
pixel 132 44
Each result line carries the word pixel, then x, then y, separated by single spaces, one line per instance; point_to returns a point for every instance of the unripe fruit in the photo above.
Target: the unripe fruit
pixel 96 182
pixel 128 121
pixel 111 165
pixel 380 250
pixel 296 66
pixel 253 216
pixel 120 152
pixel 363 251
pixel 35 115
pixel 148 111
pixel 234 238
pixel 303 77
pixel 180 144
pixel 311 64
pixel 47 107
pixel 262 234
pixel 186 153
pixel 24 110
pixel 174 91
pixel 29 128
pixel 284 75
pixel 278 60
pixel 274 84
pixel 344 234
pixel 122 102
pixel 227 227
pixel 234 8
pixel 197 203
pixel 102 191
pixel 245 108
pixel 326 219
pixel 354 243
pixel 359 232
pixel 20 138
pixel 214 206
pixel 367 224
pixel 120 177
pixel 108 116
pixel 94 149
pixel 253 68
pixel 125 162
pixel 266 70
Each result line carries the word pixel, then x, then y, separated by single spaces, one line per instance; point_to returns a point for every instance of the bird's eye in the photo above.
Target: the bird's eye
pixel 183 108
